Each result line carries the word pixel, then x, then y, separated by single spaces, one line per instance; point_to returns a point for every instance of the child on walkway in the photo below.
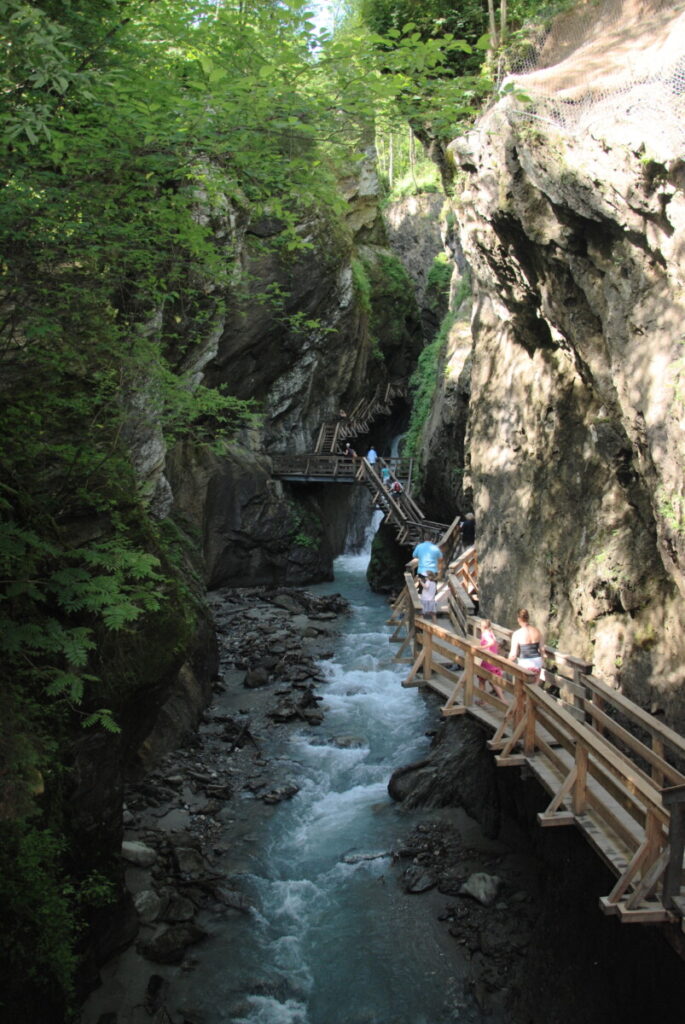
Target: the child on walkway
pixel 428 591
pixel 488 640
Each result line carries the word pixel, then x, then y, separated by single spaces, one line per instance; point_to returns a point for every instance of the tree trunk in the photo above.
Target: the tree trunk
pixel 492 28
pixel 412 158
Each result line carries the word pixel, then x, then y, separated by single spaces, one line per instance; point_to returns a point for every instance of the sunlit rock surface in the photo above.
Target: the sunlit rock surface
pixel 576 415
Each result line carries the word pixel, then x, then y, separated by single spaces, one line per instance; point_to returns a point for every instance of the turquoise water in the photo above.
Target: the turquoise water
pixel 335 940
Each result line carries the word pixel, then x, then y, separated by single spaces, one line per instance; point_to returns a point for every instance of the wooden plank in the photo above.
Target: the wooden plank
pixel 660 766
pixel 556 818
pixel 611 760
pixel 647 915
pixel 651 724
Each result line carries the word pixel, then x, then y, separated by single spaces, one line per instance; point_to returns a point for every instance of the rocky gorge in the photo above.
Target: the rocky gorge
pixel 545 392
pixel 556 415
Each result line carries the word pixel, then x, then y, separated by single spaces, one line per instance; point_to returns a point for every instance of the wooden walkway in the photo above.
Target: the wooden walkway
pixel 327 465
pixel 358 421
pixel 400 509
pixel 611 769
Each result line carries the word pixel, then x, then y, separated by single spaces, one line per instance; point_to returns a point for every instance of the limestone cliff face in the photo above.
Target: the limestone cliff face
pixel 576 412
pixel 320 348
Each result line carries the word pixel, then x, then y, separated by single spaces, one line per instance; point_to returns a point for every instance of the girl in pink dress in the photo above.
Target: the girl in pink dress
pixel 488 640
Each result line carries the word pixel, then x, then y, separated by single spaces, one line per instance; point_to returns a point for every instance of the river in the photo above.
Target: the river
pixel 336 940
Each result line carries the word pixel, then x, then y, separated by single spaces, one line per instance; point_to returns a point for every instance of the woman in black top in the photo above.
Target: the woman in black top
pixel 527 645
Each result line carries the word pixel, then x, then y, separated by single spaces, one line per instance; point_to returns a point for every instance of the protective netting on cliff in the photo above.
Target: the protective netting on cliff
pixel 614 69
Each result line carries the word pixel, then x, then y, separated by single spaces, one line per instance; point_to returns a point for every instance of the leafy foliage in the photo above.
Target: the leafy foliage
pixel 137 140
pixel 423 383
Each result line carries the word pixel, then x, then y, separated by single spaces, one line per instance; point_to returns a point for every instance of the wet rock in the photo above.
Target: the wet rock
pixel 402 780
pixel 169 945
pixel 211 807
pixel 416 880
pixel 288 603
pixel 155 993
pixel 148 905
pixel 220 790
pixel 256 677
pixel 162 1016
pixel 481 887
pixel 189 861
pixel 234 899
pixel 348 742
pixel 313 716
pixel 276 796
pixel 138 853
pixel 178 908
pixel 283 712
pixel 359 858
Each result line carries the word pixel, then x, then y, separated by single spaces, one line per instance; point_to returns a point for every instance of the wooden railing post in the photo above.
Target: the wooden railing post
pixel 469 659
pixel 674 799
pixel 519 701
pixel 427 654
pixel 411 625
pixel 529 734
pixel 658 748
pixel 580 785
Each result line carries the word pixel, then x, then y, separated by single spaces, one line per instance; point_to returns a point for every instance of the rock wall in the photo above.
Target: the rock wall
pixel 576 412
pixel 345 323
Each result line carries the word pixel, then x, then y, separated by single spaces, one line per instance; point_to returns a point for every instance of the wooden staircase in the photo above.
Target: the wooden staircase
pixel 334 432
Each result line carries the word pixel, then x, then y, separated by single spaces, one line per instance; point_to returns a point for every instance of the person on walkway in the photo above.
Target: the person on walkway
pixel 527 645
pixel 385 476
pixel 428 592
pixel 396 487
pixel 488 640
pixel 430 557
pixel 349 451
pixel 372 456
pixel 468 530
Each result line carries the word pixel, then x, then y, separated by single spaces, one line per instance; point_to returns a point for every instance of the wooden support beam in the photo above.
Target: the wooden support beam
pixel 650 880
pixel 674 799
pixel 414 669
pixel 654 914
pixel 551 815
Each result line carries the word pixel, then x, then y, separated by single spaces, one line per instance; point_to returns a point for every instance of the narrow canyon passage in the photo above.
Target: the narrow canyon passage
pixel 335 939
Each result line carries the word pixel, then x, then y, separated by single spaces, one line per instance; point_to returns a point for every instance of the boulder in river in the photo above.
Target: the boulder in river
pixel 481 887
pixel 148 905
pixel 256 677
pixel 289 603
pixel 416 879
pixel 169 945
pixel 138 853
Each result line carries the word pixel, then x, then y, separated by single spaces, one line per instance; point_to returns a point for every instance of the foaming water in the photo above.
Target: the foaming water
pixel 333 940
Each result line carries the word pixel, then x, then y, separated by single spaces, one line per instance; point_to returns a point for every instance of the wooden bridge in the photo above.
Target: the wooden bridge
pixel 611 769
pixel 327 465
pixel 400 509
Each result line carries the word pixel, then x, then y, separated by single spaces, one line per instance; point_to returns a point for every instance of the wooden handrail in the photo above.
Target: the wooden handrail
pixel 596 769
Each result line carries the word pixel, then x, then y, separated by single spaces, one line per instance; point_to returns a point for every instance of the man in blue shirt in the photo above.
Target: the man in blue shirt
pixel 429 557
pixel 372 456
